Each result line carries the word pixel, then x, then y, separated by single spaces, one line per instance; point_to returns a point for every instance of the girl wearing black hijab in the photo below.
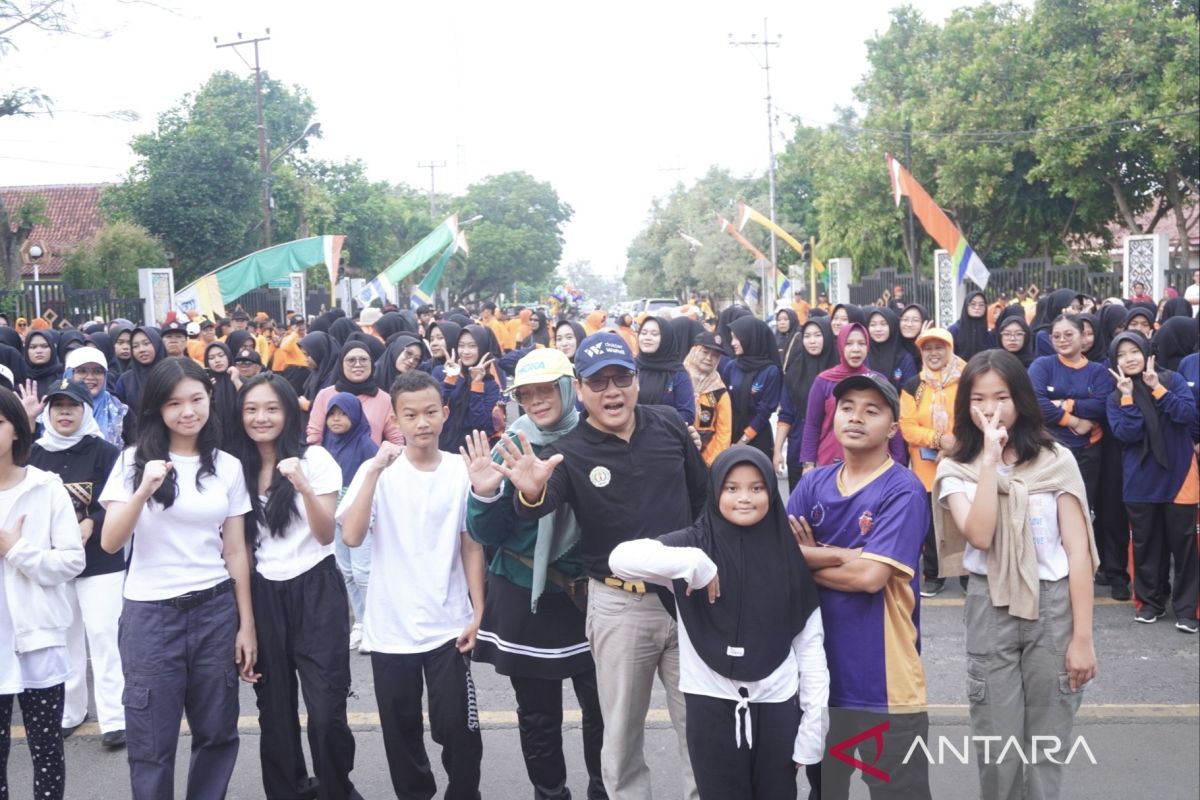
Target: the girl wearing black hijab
pixel 912 322
pixel 755 381
pixel 1095 344
pixel 662 378
pixel 750 637
pixel 1059 302
pixel 970 332
pixel 1175 340
pixel 1014 336
pixel 354 372
pixel 886 355
pixel 787 325
pixel 67 341
pixel 843 314
pixel 724 320
pixel 1175 307
pixel 1152 412
pixel 812 352
pixel 470 387
pixel 405 351
pixel 146 350
pixel 42 363
pixel 443 338
pixel 218 363
pixel 341 330
pixel 321 351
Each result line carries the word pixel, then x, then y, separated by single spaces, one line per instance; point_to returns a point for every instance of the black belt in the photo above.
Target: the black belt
pixel 192 599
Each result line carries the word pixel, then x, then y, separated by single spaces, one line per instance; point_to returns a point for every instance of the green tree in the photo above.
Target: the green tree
pixel 196 184
pixel 111 259
pixel 663 261
pixel 597 288
pixel 519 239
pixel 15 227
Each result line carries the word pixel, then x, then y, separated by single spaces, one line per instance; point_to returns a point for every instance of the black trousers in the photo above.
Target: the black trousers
pixel 883 741
pixel 540 717
pixel 728 764
pixel 41 711
pixel 453 721
pixel 1112 522
pixel 1162 531
pixel 795 471
pixel 1089 461
pixel 929 554
pixel 303 625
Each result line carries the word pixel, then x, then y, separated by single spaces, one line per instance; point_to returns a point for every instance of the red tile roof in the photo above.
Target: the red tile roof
pixel 73 211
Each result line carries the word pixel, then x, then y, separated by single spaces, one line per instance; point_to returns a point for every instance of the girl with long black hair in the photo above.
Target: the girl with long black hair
pixel 218 363
pixel 970 331
pixel 300 607
pixel 1011 509
pixel 187 624
pixel 1152 412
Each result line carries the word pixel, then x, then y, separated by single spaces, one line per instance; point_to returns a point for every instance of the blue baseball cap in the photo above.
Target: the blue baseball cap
pixel 600 350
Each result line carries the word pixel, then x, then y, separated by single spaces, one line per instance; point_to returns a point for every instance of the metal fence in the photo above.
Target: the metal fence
pixel 1030 272
pixel 273 302
pixel 75 306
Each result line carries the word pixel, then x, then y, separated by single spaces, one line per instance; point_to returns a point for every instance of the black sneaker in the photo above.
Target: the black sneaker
pixel 1103 580
pixel 68 730
pixel 113 740
pixel 962 581
pixel 1120 591
pixel 1148 616
pixel 933 587
pixel 1187 626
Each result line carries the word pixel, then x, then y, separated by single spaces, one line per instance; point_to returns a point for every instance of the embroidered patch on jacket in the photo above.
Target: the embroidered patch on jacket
pixel 865 522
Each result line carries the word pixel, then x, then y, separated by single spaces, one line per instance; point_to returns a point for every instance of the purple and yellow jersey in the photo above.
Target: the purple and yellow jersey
pixel 872 640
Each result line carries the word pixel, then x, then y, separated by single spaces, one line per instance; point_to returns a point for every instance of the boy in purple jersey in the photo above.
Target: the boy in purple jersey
pixel 860 525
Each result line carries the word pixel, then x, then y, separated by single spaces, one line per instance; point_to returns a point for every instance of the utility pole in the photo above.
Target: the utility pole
pixel 431 167
pixel 768 293
pixel 263 165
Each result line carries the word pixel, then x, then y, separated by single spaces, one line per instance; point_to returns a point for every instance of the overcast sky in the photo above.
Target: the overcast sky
pixel 613 104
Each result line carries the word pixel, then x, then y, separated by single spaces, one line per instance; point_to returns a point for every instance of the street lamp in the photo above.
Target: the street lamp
pixel 313 129
pixel 35 255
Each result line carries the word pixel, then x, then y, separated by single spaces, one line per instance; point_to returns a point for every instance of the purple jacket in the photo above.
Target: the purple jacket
pixel 819 445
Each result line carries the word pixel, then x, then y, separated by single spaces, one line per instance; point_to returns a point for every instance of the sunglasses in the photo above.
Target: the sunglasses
pixel 600 383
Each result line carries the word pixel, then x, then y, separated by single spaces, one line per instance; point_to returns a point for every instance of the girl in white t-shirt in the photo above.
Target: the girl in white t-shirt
pixel 41 548
pixel 1010 508
pixel 300 604
pixel 187 626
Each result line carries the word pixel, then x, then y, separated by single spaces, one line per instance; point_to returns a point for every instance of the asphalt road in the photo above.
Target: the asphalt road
pixel 1140 719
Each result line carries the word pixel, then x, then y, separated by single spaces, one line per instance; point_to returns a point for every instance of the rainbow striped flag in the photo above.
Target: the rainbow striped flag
pixel 939 227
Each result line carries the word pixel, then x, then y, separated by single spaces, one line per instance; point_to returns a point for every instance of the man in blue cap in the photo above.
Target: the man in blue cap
pixel 619 471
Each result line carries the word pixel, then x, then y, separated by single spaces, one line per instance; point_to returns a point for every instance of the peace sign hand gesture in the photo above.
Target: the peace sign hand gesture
pixel 995 435
pixel 528 473
pixel 452 368
pixel 1124 382
pixel 477 455
pixel 479 371
pixel 1149 376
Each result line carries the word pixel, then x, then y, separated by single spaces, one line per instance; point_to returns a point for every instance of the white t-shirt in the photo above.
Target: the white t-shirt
pixel 177 550
pixel 297 551
pixel 1043 524
pixel 1192 295
pixel 417 597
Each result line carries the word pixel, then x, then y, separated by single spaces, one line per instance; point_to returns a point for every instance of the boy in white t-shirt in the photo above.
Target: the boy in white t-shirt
pixel 425 596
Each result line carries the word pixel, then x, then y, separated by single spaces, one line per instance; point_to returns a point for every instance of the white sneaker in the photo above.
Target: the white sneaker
pixel 363 650
pixel 356 636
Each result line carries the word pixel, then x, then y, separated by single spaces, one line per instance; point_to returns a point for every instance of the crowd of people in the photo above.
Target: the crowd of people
pixel 593 500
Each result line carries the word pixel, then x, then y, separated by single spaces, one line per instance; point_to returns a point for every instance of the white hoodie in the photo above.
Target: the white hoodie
pixel 48 554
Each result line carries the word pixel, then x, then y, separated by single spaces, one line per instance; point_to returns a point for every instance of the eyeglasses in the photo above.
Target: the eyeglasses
pixel 600 383
pixel 1013 335
pixel 355 362
pixel 527 394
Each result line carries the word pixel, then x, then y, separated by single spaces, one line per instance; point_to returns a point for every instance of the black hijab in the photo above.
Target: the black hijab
pixel 1055 303
pixel 576 328
pixel 1027 353
pixel 322 323
pixel 450 332
pixel 104 343
pixel 767 591
pixel 321 348
pixel 1175 307
pixel 385 368
pixel 122 364
pixel 1112 317
pixel 972 335
pixel 724 320
pixel 374 346
pixel 801 369
pixel 1153 443
pixel 14 360
pixel 68 341
pixel 1175 339
pixel 390 323
pixel 1098 352
pixel 341 330
pixel 236 341
pixel 11 338
pixel 758 353
pixel 1139 310
pixel 134 378
pixel 343 384
pixel 224 396
pixel 853 313
pixel 47 373
pixel 686 331
pixel 910 345
pixel 885 357
pixel 782 340
pixel 656 370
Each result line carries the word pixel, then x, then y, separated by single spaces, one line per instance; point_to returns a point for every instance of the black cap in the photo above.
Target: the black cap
pixel 870 381
pixel 240 315
pixel 248 357
pixel 207 323
pixel 709 341
pixel 72 389
pixel 296 320
pixel 174 326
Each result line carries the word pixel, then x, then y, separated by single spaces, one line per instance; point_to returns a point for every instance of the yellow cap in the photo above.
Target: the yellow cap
pixel 543 365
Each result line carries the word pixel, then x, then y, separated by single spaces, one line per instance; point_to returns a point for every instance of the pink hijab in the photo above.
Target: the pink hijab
pixel 843 370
